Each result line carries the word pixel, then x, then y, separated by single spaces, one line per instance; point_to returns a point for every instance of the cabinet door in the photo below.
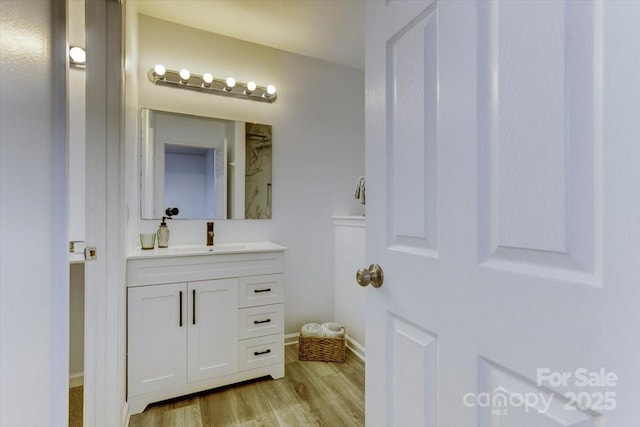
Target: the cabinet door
pixel 213 329
pixel 157 337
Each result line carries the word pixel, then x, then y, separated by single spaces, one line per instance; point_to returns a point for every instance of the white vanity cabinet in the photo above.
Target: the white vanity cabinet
pixel 174 332
pixel 202 320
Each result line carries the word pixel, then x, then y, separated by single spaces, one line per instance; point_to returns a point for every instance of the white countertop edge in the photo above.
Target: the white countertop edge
pixel 358 217
pixel 351 221
pixel 199 250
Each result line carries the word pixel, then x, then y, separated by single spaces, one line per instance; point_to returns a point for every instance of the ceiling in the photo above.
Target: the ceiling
pixel 332 30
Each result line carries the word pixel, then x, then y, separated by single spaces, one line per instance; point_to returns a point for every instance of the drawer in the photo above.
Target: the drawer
pixel 261 290
pixel 262 351
pixel 155 270
pixel 262 320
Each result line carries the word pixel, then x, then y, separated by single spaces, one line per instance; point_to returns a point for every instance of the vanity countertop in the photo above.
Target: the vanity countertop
pixel 349 220
pixel 218 248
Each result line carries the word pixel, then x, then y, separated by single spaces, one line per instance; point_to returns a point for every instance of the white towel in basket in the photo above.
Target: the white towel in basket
pixel 311 330
pixel 332 330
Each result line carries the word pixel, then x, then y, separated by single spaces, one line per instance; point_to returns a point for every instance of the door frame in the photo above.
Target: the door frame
pixel 105 303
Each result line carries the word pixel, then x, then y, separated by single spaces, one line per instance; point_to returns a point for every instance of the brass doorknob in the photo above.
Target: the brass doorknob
pixel 373 276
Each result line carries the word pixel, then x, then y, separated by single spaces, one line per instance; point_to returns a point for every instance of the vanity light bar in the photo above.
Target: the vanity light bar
pixel 183 79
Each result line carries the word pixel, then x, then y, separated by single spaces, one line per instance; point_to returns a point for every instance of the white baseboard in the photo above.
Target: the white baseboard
pixel 76 379
pixel 354 346
pixel 125 416
pixel 290 339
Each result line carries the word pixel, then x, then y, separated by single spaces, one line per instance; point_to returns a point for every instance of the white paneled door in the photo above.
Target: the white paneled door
pixel 503 159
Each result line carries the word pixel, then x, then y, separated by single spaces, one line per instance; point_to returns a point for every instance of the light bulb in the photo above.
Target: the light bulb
pixel 271 90
pixel 231 82
pixel 159 70
pixel 251 86
pixel 207 78
pixel 78 55
pixel 184 75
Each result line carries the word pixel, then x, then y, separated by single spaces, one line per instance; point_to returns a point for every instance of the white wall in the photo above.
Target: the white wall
pixel 34 273
pixel 350 237
pixel 318 149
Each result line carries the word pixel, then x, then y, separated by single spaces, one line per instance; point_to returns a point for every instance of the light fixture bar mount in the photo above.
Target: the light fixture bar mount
pixel 205 83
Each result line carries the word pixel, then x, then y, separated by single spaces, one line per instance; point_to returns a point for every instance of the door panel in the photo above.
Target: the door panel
pixel 512 400
pixel 213 328
pixel 413 363
pixel 538 80
pixel 489 191
pixel 412 125
pixel 157 338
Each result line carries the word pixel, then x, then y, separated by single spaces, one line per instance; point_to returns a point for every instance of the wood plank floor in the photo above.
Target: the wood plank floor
pixel 75 406
pixel 310 394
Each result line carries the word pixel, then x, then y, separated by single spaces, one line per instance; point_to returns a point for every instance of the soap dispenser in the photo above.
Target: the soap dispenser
pixel 163 230
pixel 163 234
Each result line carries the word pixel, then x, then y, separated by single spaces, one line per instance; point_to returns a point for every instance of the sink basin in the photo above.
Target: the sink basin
pixel 204 249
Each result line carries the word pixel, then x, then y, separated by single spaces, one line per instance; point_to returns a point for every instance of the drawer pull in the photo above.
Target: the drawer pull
pixel 181 309
pixel 258 353
pixel 257 322
pixel 194 306
pixel 257 291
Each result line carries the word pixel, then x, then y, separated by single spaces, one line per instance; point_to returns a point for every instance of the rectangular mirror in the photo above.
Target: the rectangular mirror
pixel 208 168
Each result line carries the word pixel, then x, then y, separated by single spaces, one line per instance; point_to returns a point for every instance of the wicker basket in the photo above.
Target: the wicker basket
pixel 321 349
